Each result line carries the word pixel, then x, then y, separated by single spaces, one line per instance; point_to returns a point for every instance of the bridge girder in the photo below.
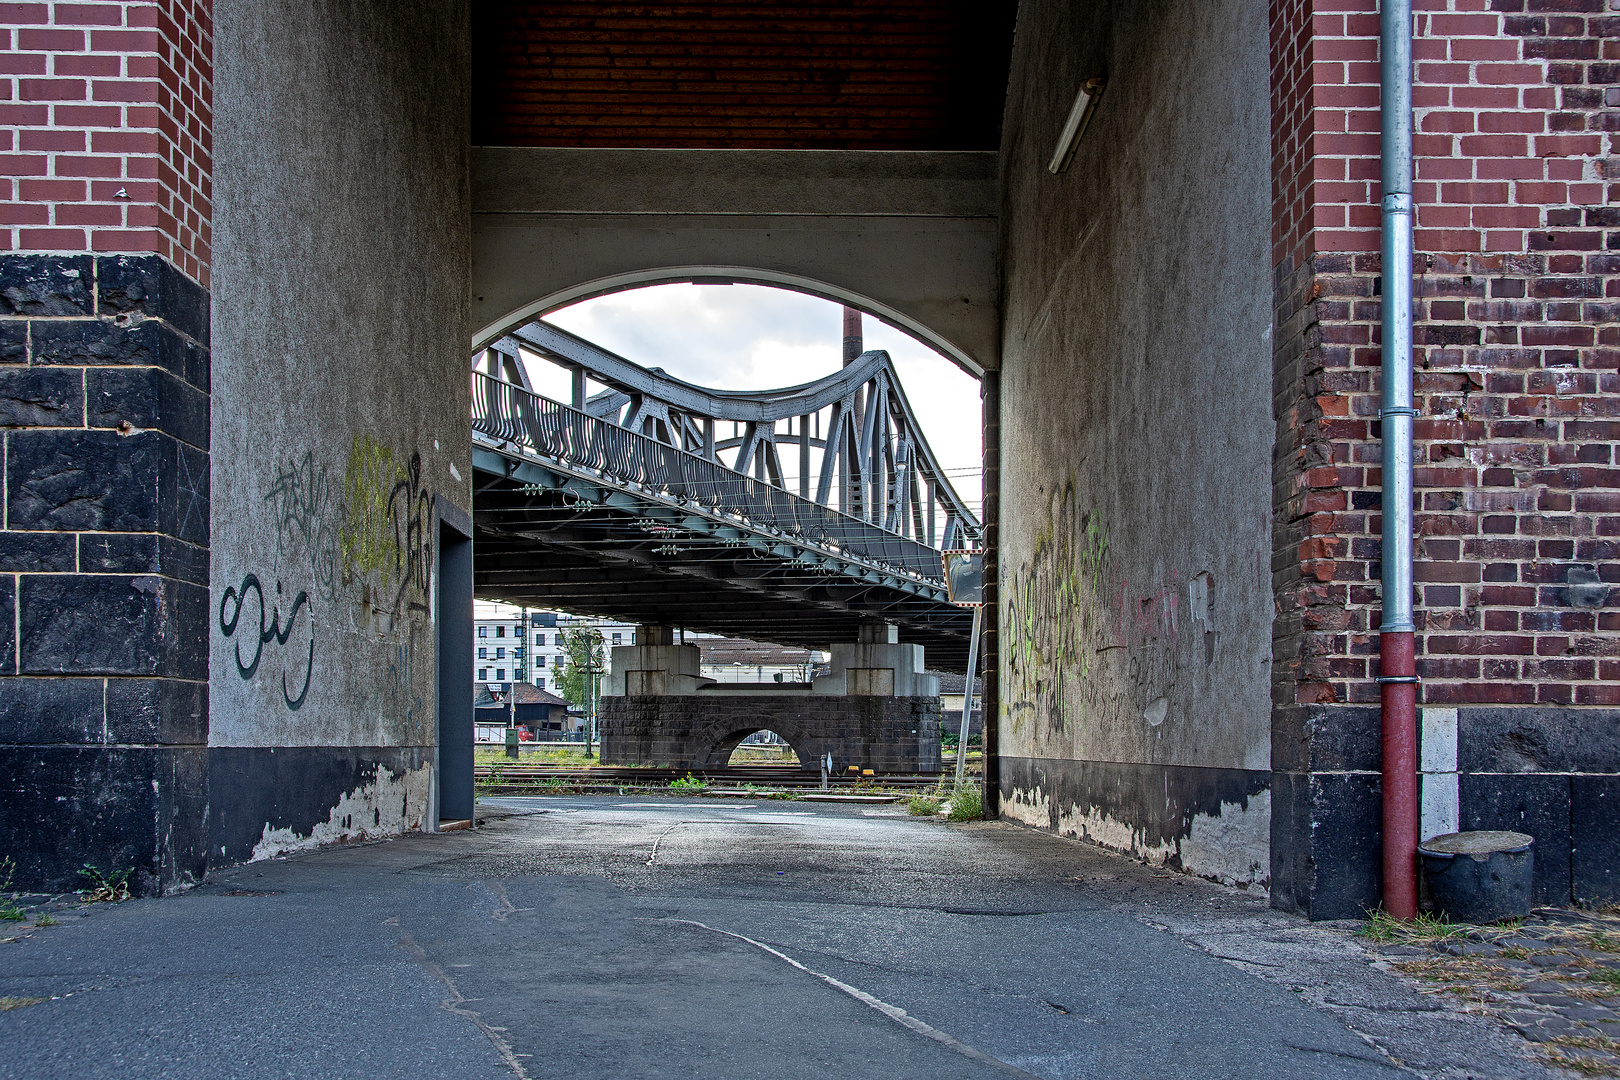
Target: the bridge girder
pixel 537 545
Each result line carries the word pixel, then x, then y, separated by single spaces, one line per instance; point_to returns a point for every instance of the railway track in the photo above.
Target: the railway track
pixel 517 775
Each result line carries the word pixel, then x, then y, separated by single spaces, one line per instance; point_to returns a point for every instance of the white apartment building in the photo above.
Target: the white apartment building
pixel 505 650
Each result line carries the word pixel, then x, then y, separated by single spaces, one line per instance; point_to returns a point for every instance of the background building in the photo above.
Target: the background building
pixel 503 654
pixel 737 660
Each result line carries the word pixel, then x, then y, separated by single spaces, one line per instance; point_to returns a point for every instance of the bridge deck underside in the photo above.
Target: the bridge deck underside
pixel 540 543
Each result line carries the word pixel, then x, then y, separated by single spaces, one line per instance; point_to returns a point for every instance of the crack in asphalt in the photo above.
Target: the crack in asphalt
pixel 453 1004
pixel 893 1012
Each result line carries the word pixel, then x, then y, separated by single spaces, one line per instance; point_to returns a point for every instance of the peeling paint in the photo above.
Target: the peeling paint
pixel 1234 846
pixel 1214 824
pixel 390 804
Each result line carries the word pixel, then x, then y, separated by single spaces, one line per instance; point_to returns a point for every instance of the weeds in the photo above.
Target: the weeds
pixel 754 792
pixel 10 910
pixel 1585 1065
pixel 688 784
pixel 967 804
pixel 1608 977
pixel 43 919
pixel 1464 976
pixel 9 1003
pixel 922 805
pixel 1424 929
pixel 104 887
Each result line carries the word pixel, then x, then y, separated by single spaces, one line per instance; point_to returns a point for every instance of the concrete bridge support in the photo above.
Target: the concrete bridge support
pixel 874 710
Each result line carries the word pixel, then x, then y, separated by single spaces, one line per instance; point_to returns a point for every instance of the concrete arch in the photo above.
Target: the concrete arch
pixel 728 275
pixel 909 237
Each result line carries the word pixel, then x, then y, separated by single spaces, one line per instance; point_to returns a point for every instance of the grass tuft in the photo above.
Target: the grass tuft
pixel 1425 929
pixel 1608 977
pixel 10 910
pixel 967 803
pixel 922 805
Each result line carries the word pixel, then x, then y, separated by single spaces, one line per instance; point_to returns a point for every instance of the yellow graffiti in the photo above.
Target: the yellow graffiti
pixel 1056 614
pixel 369 542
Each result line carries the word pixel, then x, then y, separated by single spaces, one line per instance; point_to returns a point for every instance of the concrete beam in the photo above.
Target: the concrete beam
pixel 908 237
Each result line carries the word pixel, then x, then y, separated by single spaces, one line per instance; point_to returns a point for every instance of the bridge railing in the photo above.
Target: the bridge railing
pixel 552 430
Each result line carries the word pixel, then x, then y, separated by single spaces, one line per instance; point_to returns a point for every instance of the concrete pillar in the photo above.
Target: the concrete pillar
pixel 655 670
pixel 878 665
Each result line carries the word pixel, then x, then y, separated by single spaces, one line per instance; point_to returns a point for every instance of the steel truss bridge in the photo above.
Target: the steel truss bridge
pixel 653 500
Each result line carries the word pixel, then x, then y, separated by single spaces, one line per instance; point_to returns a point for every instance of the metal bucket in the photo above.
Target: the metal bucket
pixel 1479 877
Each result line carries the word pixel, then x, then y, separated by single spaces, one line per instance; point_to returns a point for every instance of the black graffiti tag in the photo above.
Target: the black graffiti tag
pixel 410 508
pixel 236 598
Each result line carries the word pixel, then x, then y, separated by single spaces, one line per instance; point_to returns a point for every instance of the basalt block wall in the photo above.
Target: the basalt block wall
pixel 104 406
pixel 1134 643
pixel 341 418
pixel 1517 507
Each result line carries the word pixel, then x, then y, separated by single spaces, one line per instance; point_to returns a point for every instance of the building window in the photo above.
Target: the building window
pixel 617 638
pixel 500 674
pixel 483 674
pixel 483 631
pixel 540 661
pixel 500 631
pixel 539 639
pixel 500 653
pixel 541 683
pixel 483 653
pixel 517 653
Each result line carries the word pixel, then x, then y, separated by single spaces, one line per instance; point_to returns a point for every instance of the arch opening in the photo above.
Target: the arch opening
pixel 726 275
pixel 763 747
pixel 696 365
pixel 736 751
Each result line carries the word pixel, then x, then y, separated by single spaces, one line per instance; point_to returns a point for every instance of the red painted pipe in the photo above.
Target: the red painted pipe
pixel 1396 660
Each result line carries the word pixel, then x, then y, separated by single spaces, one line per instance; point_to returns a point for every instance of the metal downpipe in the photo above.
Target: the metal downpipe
pixel 1396 661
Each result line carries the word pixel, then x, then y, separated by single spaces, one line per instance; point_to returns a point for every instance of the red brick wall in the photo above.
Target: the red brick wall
pixel 1517 349
pixel 106 128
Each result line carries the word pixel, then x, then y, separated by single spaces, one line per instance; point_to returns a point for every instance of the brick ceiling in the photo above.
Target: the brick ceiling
pixel 827 74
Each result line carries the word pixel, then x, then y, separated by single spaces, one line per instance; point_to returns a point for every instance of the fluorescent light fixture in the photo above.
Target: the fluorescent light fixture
pixel 1085 103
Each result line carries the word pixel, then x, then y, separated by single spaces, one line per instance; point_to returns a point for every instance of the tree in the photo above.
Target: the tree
pixel 582 651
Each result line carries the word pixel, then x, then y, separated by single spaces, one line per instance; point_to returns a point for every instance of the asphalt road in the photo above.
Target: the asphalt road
pixel 631 938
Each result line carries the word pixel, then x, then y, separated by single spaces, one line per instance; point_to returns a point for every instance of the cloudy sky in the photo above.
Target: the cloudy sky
pixel 750 337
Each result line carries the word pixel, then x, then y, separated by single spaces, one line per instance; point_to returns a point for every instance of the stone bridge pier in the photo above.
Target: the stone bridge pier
pixel 874 709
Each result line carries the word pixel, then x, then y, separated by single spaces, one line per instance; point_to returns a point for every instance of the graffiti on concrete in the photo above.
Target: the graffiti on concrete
pixel 368 539
pixel 262 633
pixel 403 697
pixel 411 510
pixel 1070 608
pixel 301 499
pixel 364 547
pixel 1055 612
pixel 386 533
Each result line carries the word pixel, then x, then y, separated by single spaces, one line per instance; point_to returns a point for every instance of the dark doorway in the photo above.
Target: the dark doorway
pixel 455 648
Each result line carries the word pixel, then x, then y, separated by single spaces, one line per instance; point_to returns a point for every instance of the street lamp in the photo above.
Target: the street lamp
pixel 593 670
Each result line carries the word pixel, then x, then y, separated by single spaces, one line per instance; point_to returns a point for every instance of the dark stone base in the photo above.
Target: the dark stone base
pixel 885 734
pixel 1551 772
pixel 1326 843
pixel 1156 803
pixel 104 413
pixel 252 789
pixel 114 807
